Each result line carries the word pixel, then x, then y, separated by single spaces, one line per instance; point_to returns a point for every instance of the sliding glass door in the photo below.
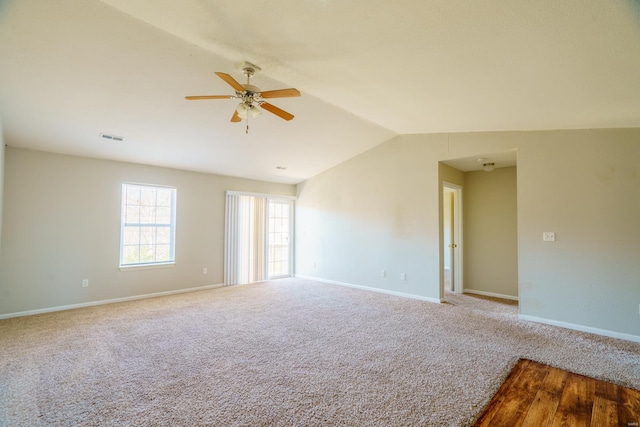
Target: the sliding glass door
pixel 258 238
pixel 279 231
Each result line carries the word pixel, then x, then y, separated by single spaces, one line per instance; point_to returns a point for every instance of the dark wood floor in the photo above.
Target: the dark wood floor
pixel 538 395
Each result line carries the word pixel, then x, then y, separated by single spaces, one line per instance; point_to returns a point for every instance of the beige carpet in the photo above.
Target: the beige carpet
pixel 282 353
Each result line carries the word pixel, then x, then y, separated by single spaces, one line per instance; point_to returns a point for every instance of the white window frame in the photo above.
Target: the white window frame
pixel 172 228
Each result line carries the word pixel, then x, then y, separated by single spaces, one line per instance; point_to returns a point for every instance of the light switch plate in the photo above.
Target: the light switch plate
pixel 548 236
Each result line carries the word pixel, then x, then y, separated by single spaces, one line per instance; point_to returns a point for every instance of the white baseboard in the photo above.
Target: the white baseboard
pixel 581 328
pixel 106 301
pixel 489 294
pixel 368 288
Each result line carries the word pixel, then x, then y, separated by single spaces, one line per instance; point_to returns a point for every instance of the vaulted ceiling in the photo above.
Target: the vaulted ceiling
pixel 367 70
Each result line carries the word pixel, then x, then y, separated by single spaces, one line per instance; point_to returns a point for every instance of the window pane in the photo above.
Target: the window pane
pixel 133 195
pixel 147 235
pixel 163 216
pixel 131 236
pixel 147 253
pixel 132 214
pixel 164 197
pixel 147 215
pixel 163 235
pixel 163 253
pixel 130 254
pixel 148 196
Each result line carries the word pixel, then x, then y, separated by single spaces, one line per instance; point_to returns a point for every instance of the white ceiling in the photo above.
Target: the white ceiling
pixel 367 70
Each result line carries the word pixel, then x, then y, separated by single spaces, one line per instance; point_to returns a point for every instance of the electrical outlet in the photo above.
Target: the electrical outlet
pixel 205 271
pixel 85 283
pixel 383 274
pixel 403 276
pixel 548 236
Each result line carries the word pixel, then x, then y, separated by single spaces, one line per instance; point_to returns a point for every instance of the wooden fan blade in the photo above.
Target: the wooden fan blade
pixel 235 117
pixel 277 111
pixel 193 98
pixel 231 81
pixel 281 93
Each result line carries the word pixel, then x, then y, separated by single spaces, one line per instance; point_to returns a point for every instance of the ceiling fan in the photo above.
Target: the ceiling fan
pixel 251 97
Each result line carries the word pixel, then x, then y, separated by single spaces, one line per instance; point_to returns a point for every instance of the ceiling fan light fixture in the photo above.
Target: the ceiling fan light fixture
pixel 255 111
pixel 242 110
pixel 488 167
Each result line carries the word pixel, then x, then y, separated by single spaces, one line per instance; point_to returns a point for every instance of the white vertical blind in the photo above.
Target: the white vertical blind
pixel 244 239
pixel 231 240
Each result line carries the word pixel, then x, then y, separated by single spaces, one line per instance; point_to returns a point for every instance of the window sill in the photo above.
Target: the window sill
pixel 147 266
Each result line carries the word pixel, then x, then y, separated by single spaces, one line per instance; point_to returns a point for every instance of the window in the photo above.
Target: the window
pixel 147 231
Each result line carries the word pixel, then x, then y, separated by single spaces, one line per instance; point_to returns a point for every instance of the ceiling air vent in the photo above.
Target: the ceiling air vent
pixel 111 137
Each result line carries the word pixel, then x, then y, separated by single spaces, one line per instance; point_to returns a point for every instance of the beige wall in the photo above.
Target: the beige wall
pixel 370 214
pixel 380 210
pixel 584 187
pixel 62 225
pixel 490 232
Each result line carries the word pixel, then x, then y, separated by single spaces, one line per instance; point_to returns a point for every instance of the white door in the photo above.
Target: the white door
pixel 279 238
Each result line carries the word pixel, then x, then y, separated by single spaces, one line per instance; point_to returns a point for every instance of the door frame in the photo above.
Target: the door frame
pixel 457 273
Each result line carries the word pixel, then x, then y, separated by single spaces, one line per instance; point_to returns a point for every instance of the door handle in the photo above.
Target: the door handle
pixel 453 245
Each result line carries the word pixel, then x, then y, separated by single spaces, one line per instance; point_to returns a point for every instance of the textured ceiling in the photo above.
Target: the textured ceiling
pixel 367 70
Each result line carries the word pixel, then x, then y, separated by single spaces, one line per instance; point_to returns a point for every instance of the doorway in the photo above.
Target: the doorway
pixel 452 233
